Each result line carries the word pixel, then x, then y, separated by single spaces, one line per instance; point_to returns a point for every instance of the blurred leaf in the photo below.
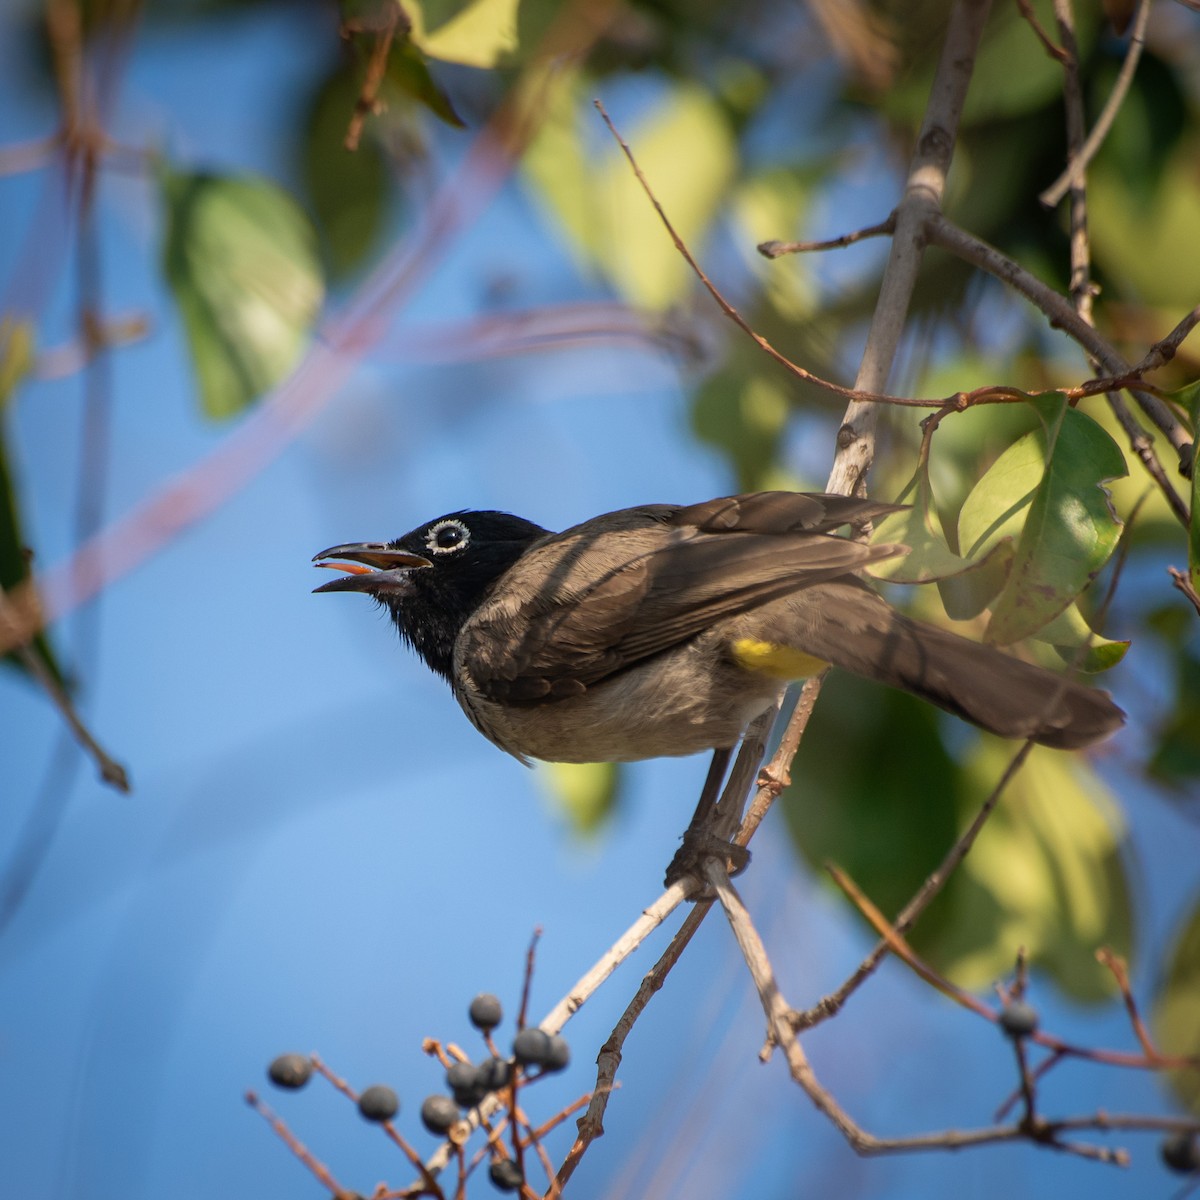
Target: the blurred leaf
pixel 641 259
pixel 743 413
pixel 16 360
pixel 770 205
pixel 478 33
pixel 1176 1015
pixel 1046 874
pixel 1176 758
pixel 1189 398
pixel 240 257
pixel 875 791
pixel 1149 247
pixel 1048 485
pixel 1152 119
pixel 585 793
pixel 602 206
pixel 348 190
pixel 1069 632
pixel 16 356
pixel 409 71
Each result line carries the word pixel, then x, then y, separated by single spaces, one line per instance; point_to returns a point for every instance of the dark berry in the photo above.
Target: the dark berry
pixel 531 1047
pixel 461 1075
pixel 379 1103
pixel 559 1054
pixel 1018 1019
pixel 485 1011
pixel 495 1073
pixel 438 1114
pixel 505 1174
pixel 1180 1152
pixel 290 1071
pixel 466 1084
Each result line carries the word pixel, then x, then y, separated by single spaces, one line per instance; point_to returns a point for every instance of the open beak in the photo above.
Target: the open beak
pixel 371 567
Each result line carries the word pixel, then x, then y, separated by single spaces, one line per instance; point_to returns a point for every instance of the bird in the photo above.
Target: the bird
pixel 664 630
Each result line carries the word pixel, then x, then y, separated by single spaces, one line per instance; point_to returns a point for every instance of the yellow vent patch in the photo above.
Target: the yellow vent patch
pixel 780 662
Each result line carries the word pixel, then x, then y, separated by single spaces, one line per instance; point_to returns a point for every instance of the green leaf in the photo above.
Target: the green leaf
pixel 347 190
pixel 1047 486
pixel 585 793
pixel 743 412
pixel 1069 634
pixel 874 790
pixel 409 71
pixel 1189 398
pixel 929 558
pixel 1176 1014
pixel 1149 248
pixel 1176 758
pixel 1046 874
pixel 240 257
pixel 16 360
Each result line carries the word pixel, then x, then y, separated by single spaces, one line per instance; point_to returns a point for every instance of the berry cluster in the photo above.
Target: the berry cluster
pixel 535 1054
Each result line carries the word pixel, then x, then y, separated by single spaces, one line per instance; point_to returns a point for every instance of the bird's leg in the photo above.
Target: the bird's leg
pixel 700 839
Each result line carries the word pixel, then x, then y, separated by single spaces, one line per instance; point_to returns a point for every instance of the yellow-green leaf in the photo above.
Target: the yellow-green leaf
pixel 479 33
pixel 1046 874
pixel 585 793
pixel 1176 1014
pixel 687 152
pixel 1078 644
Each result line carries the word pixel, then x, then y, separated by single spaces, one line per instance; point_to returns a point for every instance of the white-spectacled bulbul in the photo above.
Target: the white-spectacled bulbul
pixel 665 630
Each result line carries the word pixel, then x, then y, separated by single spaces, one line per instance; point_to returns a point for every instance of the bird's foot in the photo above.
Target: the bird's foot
pixel 699 845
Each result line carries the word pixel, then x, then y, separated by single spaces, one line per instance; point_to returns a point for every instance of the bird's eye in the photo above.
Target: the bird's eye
pixel 447 536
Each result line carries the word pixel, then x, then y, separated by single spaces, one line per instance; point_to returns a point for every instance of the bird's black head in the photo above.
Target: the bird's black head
pixel 435 576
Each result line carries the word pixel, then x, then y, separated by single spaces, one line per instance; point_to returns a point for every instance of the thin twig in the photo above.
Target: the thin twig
pixel 1166 348
pixel 368 103
pixel 591 1124
pixel 1051 47
pixel 1181 580
pixel 853 394
pixel 1080 158
pixel 775 249
pixel 111 771
pixel 923 192
pixel 829 1005
pixel 298 1148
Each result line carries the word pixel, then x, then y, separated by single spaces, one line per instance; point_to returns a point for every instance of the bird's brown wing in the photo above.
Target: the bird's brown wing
pixel 607 594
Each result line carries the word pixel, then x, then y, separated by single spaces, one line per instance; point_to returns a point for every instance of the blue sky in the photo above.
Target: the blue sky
pixel 320 853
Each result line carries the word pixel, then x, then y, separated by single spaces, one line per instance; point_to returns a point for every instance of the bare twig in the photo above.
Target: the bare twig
pixel 368 103
pixel 111 771
pixel 1166 348
pixel 781 1033
pixel 1181 580
pixel 1051 47
pixel 298 1148
pixel 591 1124
pixel 779 249
pixel 900 948
pixel 1081 156
pixel 922 198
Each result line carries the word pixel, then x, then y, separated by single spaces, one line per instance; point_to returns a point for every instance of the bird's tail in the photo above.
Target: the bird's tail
pixel 851 626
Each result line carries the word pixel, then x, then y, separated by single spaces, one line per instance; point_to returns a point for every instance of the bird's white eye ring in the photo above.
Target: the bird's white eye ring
pixel 445 537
